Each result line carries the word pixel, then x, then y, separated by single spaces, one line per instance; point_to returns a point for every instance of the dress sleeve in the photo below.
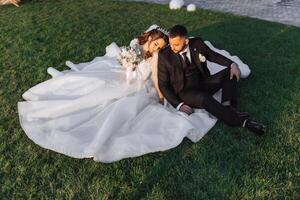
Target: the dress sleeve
pixel 143 70
pixel 134 43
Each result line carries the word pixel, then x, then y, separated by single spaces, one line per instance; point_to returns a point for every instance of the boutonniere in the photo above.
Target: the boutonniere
pixel 202 58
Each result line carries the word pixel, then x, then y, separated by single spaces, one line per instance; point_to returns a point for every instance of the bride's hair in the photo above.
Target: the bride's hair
pixel 155 34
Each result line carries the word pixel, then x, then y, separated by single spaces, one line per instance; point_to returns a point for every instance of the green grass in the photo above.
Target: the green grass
pixel 228 163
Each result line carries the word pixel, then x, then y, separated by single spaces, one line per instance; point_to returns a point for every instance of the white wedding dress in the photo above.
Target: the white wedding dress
pixel 93 111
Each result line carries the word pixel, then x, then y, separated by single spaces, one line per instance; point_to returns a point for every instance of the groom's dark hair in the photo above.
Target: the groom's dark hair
pixel 178 30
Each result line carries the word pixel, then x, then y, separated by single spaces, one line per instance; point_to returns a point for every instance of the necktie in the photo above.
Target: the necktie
pixel 186 59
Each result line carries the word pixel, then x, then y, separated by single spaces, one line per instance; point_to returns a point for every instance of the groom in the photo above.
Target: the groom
pixel 185 81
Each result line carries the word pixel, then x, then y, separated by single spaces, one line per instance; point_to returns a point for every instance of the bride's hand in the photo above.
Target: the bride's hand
pixel 187 109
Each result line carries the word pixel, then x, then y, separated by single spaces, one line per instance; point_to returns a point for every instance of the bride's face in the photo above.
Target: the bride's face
pixel 155 45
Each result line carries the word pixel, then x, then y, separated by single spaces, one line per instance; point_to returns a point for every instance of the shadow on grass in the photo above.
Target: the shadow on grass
pixel 272 52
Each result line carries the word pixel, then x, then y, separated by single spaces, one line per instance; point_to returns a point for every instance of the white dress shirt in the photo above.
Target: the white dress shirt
pixel 188 53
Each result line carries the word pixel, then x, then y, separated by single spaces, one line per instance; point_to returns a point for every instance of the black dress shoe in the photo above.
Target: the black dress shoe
pixel 256 127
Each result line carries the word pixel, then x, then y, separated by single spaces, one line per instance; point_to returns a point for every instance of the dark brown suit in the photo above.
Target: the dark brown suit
pixel 176 86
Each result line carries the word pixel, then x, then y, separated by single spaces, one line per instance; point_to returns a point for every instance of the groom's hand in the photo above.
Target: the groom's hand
pixel 235 71
pixel 187 109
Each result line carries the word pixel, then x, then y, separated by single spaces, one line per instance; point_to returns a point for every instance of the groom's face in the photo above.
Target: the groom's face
pixel 178 43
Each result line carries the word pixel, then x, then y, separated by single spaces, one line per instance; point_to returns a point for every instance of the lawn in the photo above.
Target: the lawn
pixel 228 163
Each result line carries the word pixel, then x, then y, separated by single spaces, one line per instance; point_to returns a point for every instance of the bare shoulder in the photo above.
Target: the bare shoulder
pixel 155 55
pixel 154 59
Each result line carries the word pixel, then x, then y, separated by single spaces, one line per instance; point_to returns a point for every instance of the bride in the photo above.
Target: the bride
pixel 106 111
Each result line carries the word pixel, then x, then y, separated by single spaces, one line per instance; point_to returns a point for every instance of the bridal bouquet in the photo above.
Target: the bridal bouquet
pixel 130 57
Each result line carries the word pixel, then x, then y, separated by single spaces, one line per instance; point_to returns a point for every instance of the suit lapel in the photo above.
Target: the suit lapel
pixel 194 55
pixel 177 72
pixel 177 61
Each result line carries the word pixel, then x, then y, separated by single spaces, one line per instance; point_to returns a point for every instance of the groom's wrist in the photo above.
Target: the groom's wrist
pixel 179 105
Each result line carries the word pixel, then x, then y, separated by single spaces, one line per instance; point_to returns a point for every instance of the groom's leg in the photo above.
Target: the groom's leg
pixel 198 99
pixel 221 80
pixel 229 89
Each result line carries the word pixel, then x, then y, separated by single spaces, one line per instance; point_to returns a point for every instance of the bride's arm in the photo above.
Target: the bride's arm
pixel 154 76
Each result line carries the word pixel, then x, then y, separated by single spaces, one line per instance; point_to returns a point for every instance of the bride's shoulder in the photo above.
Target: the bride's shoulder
pixel 155 55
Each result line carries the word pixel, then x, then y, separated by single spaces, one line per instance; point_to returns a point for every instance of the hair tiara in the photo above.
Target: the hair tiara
pixel 164 31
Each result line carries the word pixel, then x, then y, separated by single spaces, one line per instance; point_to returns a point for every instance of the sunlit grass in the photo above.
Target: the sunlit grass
pixel 228 163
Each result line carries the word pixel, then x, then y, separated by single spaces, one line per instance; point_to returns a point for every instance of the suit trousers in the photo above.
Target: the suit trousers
pixel 198 92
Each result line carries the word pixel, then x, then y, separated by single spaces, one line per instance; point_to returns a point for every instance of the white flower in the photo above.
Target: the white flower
pixel 202 58
pixel 130 57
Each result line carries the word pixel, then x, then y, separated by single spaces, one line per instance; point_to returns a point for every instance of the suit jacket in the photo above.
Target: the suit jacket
pixel 170 67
